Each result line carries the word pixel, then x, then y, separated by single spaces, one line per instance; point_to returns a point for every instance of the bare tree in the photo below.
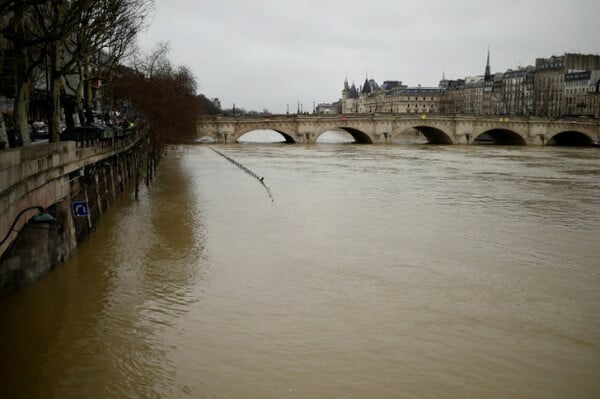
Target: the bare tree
pixel 53 23
pixel 156 63
pixel 103 38
pixel 82 37
pixel 27 56
pixel 165 95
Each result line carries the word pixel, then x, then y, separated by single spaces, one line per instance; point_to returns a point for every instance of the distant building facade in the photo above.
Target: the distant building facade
pixel 391 97
pixel 579 90
pixel 328 108
pixel 557 86
pixel 517 91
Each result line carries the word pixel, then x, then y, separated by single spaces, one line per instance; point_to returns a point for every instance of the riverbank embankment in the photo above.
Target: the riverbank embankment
pixel 51 197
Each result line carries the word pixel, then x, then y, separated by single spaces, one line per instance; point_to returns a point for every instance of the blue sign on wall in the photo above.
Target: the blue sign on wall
pixel 80 208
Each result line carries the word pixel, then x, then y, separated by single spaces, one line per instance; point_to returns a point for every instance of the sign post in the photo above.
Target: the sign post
pixel 80 209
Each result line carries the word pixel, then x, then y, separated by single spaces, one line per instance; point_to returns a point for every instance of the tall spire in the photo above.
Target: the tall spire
pixel 488 74
pixel 366 89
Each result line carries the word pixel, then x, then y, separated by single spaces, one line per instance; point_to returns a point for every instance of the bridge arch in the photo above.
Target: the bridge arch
pixel 359 136
pixel 207 135
pixel 286 136
pixel 206 139
pixel 573 138
pixel 334 136
pixel 434 135
pixel 499 136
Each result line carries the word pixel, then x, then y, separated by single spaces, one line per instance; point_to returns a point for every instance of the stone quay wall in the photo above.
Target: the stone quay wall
pixel 53 177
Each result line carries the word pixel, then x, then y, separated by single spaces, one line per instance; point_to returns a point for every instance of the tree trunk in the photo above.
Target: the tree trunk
pixel 22 78
pixel 20 107
pixel 3 134
pixel 87 91
pixel 54 123
pixel 55 89
pixel 79 96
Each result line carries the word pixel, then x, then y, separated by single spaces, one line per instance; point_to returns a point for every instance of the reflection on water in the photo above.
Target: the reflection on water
pixel 380 271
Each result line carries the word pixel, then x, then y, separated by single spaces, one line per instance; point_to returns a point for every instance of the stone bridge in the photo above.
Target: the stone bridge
pixel 388 128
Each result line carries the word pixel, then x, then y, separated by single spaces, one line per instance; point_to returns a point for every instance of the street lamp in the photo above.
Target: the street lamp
pixel 41 217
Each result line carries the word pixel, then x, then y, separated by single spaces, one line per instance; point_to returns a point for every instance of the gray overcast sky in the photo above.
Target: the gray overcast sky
pixel 266 54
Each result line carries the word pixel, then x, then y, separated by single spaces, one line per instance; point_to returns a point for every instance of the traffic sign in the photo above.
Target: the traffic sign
pixel 80 208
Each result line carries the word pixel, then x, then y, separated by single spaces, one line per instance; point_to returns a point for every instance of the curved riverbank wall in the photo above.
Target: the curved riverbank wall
pixel 51 197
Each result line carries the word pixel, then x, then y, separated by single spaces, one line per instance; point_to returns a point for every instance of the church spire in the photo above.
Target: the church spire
pixel 488 74
pixel 366 89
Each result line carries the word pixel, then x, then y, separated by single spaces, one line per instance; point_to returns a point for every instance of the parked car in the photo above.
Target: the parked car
pixel 39 131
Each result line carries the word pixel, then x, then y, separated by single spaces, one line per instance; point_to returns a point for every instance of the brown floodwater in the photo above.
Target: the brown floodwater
pixel 375 272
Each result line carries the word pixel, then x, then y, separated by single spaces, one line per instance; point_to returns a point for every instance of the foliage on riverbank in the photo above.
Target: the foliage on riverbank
pixel 165 95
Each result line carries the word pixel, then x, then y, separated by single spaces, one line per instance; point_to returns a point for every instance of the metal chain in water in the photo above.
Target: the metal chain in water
pixel 245 169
